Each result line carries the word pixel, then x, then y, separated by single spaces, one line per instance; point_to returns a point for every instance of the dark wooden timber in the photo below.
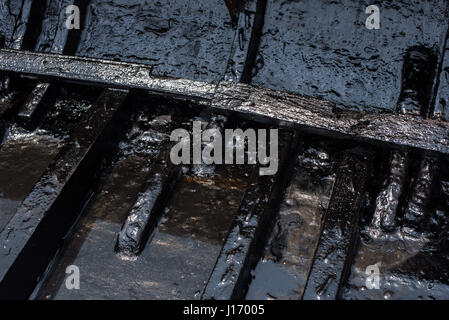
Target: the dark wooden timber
pixel 320 117
pixel 14 96
pixel 315 115
pixel 148 208
pixel 441 106
pixel 418 74
pixel 32 236
pixel 35 104
pixel 333 257
pixel 103 72
pixel 245 242
pixel 420 195
pixel 242 43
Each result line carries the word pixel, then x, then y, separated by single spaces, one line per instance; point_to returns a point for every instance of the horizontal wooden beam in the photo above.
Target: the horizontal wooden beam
pixel 315 115
pixel 103 72
pixel 321 117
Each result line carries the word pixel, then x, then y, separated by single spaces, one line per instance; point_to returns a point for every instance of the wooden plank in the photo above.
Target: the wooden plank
pixel 337 243
pixel 103 72
pixel 246 239
pixel 32 235
pixel 320 117
pixel 317 116
pixel 148 208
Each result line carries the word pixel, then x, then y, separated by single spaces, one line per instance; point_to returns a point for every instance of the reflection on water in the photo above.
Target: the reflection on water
pixel 23 159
